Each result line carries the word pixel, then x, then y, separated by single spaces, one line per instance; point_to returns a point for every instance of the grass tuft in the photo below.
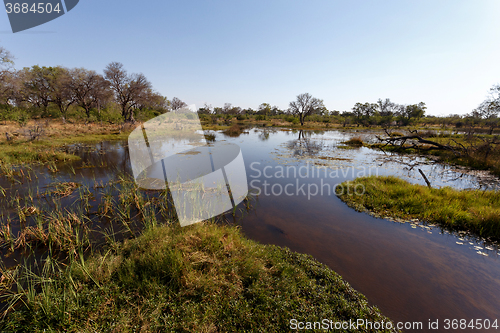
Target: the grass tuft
pixel 354 141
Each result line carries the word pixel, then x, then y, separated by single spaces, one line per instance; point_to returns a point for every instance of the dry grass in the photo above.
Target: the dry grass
pixel 57 129
pixel 355 141
pixel 49 147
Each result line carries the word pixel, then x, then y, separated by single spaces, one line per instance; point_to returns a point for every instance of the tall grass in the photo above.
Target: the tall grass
pixel 202 278
pixel 474 211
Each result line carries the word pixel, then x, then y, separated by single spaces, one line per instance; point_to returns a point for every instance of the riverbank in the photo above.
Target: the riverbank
pixel 46 141
pixel 473 211
pixel 201 278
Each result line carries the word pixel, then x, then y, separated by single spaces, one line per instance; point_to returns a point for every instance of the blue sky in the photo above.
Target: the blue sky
pixel 444 53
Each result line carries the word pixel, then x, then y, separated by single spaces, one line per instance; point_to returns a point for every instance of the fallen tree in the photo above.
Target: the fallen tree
pixel 416 141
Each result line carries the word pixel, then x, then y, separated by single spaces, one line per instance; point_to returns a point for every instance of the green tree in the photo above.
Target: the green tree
pixel 264 109
pixel 363 111
pixel 411 112
pixel 36 88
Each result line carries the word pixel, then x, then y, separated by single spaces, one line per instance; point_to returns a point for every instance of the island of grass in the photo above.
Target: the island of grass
pixel 201 278
pixel 474 211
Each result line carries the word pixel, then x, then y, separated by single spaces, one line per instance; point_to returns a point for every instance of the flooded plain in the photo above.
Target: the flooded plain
pixel 413 272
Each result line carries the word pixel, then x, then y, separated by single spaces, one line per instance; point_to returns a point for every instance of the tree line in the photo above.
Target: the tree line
pixel 43 91
pixel 54 91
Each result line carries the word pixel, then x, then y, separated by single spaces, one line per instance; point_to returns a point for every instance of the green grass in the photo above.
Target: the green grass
pixel 474 211
pixel 202 278
pixel 138 270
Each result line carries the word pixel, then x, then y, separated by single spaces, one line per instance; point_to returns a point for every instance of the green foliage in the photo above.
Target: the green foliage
pixel 205 118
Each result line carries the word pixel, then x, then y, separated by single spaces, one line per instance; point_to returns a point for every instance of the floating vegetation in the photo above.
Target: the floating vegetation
pixel 331 158
pixel 63 189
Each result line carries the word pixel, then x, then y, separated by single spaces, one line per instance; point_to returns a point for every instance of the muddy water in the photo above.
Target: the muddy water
pixel 410 272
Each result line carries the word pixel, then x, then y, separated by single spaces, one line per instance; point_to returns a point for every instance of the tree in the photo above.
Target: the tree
pixel 488 111
pixel 206 109
pixel 36 86
pixel 89 89
pixel 6 58
pixel 62 93
pixel 304 106
pixel 264 109
pixel 177 104
pixel 153 101
pixel 128 89
pixel 7 76
pixel 409 112
pixel 363 111
pixel 387 110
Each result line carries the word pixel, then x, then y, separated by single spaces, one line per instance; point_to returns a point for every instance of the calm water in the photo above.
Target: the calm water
pixel 412 273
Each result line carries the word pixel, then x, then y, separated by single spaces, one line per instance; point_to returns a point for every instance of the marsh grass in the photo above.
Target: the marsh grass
pixel 234 131
pixel 146 273
pixel 354 141
pixel 474 211
pixel 201 278
pixel 51 146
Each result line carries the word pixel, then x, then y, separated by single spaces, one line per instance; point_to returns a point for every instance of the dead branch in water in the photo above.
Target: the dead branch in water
pixel 400 141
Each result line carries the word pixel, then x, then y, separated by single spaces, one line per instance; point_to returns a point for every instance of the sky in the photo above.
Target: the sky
pixel 443 53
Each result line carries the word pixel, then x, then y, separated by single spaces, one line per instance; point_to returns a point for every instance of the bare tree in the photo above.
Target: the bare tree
pixel 489 109
pixel 9 87
pixel 304 106
pixel 129 90
pixel 177 104
pixel 6 74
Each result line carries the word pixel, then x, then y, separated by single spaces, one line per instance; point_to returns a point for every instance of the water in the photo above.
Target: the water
pixel 412 273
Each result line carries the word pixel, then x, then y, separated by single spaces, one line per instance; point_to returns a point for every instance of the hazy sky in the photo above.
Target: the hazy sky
pixel 444 53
